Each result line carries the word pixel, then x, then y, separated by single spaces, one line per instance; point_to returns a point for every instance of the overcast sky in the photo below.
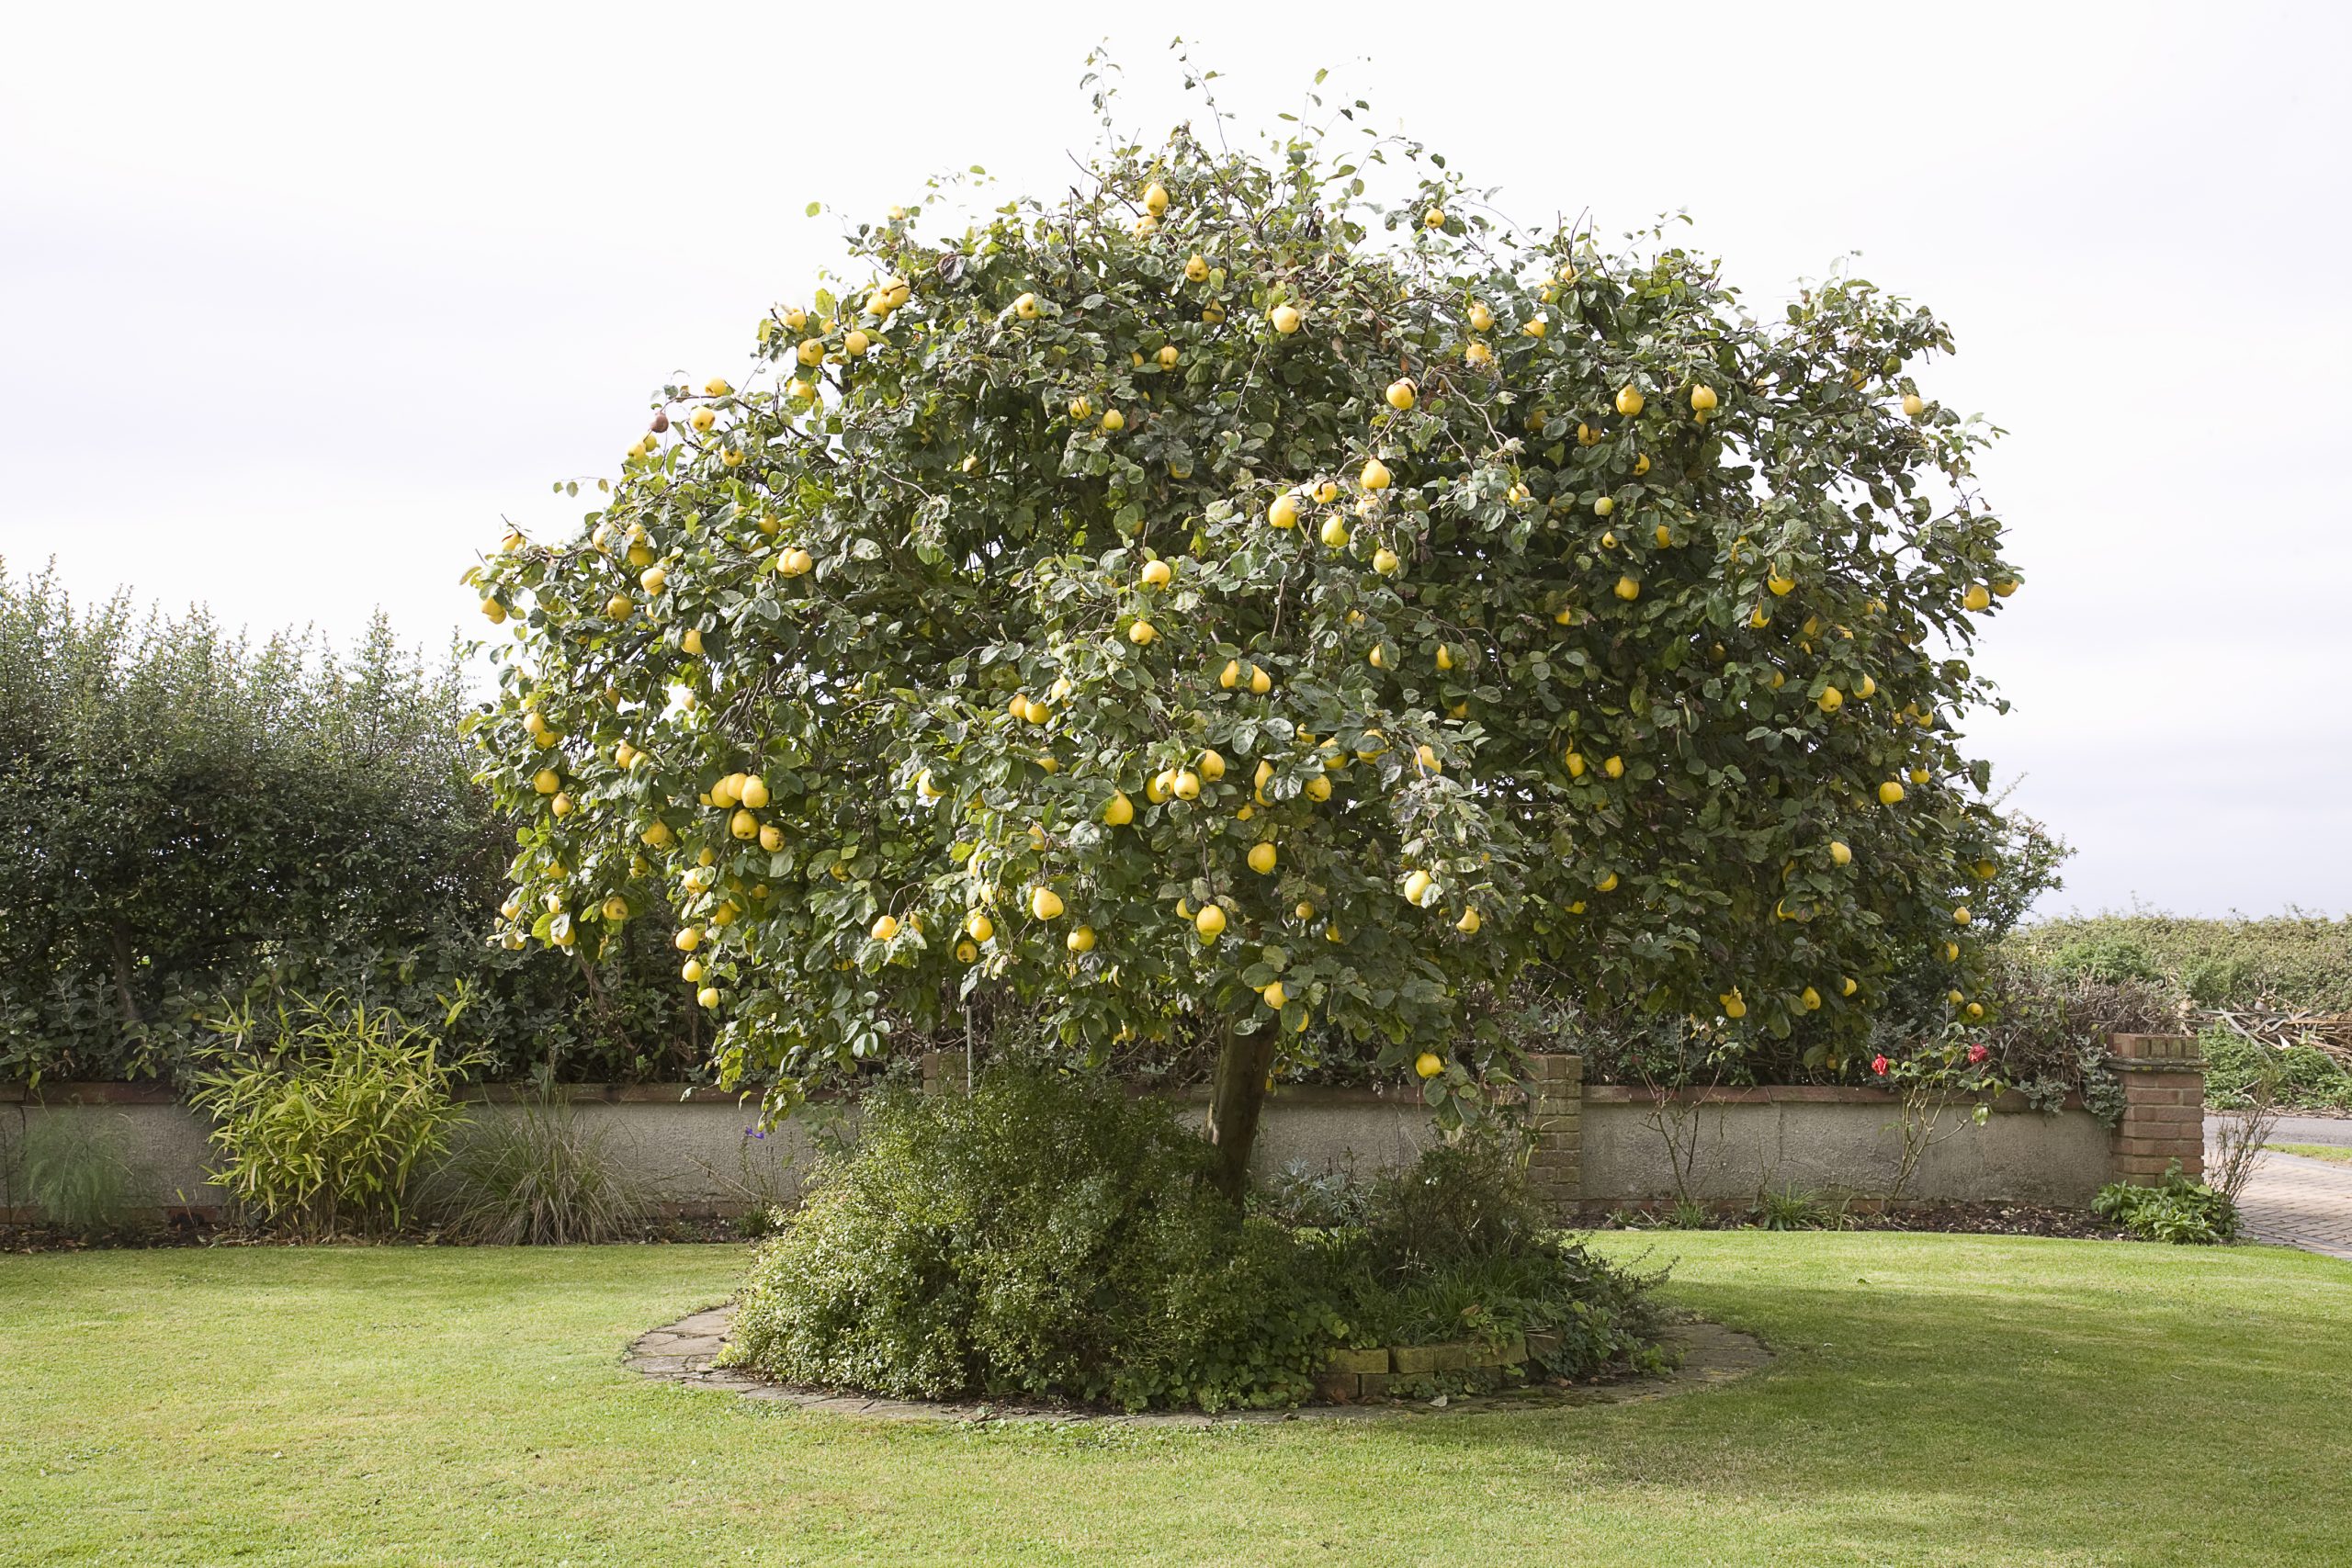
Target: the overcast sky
pixel 296 304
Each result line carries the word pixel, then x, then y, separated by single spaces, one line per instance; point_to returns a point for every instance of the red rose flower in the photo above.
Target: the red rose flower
pixel 1877 1066
pixel 1976 1054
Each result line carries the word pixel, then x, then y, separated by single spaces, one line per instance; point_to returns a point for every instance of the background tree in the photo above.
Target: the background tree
pixel 1218 603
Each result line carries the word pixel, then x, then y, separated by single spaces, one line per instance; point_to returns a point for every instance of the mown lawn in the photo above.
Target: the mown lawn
pixel 2334 1154
pixel 1937 1400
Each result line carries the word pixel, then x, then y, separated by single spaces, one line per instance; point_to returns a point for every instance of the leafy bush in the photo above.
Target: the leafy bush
pixel 326 1125
pixel 77 1176
pixel 1052 1236
pixel 1464 1199
pixel 2176 1209
pixel 536 1175
pixel 2292 960
pixel 1041 1236
pixel 2299 1075
pixel 1456 1246
pixel 190 824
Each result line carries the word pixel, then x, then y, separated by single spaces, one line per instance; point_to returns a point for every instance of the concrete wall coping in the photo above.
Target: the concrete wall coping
pixel 159 1093
pixel 2006 1103
pixel 156 1093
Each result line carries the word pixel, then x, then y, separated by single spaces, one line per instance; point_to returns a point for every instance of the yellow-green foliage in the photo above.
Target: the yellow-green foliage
pixel 2292 960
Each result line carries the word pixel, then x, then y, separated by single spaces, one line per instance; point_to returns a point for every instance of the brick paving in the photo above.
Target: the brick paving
pixel 2290 1200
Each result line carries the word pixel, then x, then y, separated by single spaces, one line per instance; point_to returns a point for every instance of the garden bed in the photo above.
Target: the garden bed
pixel 1942 1219
pixel 205 1230
pixel 1426 1372
pixel 1464 1376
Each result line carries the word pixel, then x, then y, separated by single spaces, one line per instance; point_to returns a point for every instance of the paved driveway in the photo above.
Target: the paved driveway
pixel 2335 1130
pixel 2290 1200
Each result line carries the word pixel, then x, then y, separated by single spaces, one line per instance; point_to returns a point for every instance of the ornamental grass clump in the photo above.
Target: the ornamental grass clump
pixel 76 1174
pixel 537 1175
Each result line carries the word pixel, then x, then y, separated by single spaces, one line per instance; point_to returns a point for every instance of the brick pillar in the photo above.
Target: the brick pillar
pixel 1555 1116
pixel 945 1072
pixel 2163 1106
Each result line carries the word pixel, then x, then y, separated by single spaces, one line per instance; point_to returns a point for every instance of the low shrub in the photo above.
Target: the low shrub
pixel 2176 1209
pixel 1052 1236
pixel 327 1114
pixel 1464 1199
pixel 1296 1194
pixel 1456 1246
pixel 536 1175
pixel 1041 1236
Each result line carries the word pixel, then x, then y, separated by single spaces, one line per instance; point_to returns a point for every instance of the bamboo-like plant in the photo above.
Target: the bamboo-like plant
pixel 327 1110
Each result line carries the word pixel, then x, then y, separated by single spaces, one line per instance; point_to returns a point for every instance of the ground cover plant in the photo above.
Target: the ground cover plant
pixel 1929 1406
pixel 2177 1208
pixel 1053 1236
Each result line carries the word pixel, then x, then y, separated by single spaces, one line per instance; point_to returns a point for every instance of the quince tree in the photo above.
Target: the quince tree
pixel 1220 606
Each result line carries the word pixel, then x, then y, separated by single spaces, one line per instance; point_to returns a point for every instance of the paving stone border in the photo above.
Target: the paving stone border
pixel 683 1352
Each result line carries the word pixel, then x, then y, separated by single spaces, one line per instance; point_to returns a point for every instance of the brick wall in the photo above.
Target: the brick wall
pixel 2163 1106
pixel 1556 1167
pixel 946 1072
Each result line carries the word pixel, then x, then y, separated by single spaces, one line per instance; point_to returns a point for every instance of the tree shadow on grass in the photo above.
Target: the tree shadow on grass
pixel 2150 1406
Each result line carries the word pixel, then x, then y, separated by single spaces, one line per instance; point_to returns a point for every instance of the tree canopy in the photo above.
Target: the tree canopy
pixel 1220 602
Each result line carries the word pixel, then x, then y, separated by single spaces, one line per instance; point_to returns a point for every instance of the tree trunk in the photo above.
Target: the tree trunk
pixel 122 963
pixel 1239 1093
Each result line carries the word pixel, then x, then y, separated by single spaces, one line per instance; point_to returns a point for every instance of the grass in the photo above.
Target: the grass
pixel 1938 1399
pixel 2334 1154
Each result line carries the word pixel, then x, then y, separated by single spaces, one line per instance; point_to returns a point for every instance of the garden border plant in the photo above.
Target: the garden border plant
pixel 328 1112
pixel 1054 1237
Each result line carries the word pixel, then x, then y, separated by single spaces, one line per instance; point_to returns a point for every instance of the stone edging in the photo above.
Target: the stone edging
pixel 682 1353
